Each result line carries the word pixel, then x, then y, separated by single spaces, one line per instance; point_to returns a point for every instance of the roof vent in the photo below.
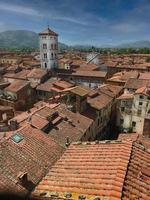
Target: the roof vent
pixel 17 138
pixel 22 177
pixel 97 198
pixel 68 195
pixel 67 141
pixel 43 193
pixel 54 194
pixel 82 197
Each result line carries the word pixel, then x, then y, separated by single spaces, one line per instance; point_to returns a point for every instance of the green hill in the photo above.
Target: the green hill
pixel 19 39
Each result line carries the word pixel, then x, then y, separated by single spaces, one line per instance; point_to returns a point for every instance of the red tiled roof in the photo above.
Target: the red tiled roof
pixel 98 74
pixel 72 125
pixel 134 83
pixel 126 96
pixel 91 170
pixel 48 31
pixel 63 84
pixel 17 85
pixel 37 73
pixel 137 182
pixel 107 169
pixel 34 154
pixel 145 75
pixel 100 101
pixel 128 136
pixel 36 121
pixel 142 90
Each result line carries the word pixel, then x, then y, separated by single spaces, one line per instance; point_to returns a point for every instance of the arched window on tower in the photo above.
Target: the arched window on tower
pixel 52 56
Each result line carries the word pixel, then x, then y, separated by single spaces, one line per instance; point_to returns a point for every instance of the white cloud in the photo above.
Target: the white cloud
pixel 19 9
pixel 125 27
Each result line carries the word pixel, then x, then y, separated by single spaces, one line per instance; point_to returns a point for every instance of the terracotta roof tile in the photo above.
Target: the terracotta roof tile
pixel 34 154
pixel 134 83
pixel 17 85
pixel 48 31
pixel 98 74
pixel 37 73
pixel 91 170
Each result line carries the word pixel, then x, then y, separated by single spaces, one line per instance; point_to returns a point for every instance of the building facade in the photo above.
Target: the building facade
pixel 134 112
pixel 48 49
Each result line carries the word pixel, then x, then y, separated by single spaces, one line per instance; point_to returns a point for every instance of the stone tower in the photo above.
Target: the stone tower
pixel 48 49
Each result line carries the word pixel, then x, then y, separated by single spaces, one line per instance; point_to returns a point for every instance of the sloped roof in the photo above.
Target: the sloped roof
pixel 111 170
pixel 35 154
pixel 17 85
pixel 89 169
pixel 37 73
pixel 134 83
pixel 48 31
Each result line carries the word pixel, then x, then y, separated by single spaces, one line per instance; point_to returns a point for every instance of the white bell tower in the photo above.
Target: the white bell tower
pixel 48 49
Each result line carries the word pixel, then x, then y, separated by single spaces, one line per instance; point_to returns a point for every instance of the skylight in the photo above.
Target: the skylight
pixel 17 138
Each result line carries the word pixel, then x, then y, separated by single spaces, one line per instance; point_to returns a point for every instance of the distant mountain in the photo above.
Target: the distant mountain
pixel 21 39
pixel 137 44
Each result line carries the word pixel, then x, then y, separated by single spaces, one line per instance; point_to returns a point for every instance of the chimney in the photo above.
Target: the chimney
pixel 14 125
pixel 67 141
pixel 81 103
pixel 23 178
pixel 30 120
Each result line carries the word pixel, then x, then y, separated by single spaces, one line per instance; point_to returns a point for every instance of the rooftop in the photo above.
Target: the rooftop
pixel 81 91
pixel 106 170
pixel 28 150
pixel 145 75
pixel 69 124
pixel 17 85
pixel 97 74
pixel 48 31
pixel 37 73
pixel 134 83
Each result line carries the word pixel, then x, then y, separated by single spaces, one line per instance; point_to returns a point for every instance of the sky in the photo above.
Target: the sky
pixel 82 22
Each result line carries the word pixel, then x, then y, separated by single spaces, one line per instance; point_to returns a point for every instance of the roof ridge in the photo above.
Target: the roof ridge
pixel 102 142
pixel 127 168
pixel 140 145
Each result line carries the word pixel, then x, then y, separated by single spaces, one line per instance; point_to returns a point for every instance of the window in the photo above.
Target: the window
pixel 139 112
pixel 45 55
pixel 121 121
pixel 140 103
pixel 133 124
pixel 4 116
pixel 45 65
pixel 141 97
pixel 17 138
pixel 52 55
pixel 122 109
pixel 44 46
pixel 98 122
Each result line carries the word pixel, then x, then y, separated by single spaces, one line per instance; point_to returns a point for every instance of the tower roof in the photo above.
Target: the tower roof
pixel 48 31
